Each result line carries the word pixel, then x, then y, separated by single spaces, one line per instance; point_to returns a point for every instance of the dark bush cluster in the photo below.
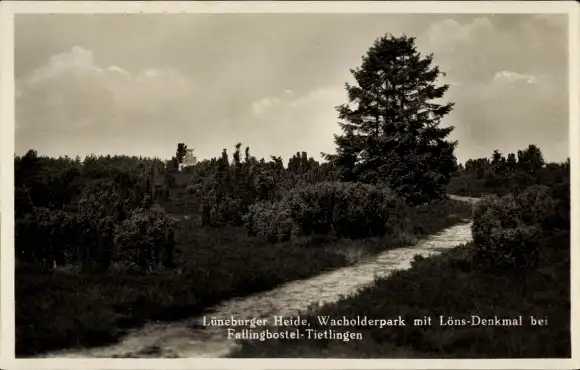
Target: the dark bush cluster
pixel 507 230
pixel 52 238
pixel 145 240
pixel 351 210
pixel 105 218
pixel 531 201
pixel 227 190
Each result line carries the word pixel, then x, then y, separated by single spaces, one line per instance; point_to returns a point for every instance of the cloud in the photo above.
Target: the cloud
pixel 262 105
pixel 509 77
pixel 306 122
pixel 71 87
pixel 449 32
pixel 509 112
pixel 72 93
pixel 512 83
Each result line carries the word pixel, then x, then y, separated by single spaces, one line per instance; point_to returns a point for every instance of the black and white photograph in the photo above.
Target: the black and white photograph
pixel 364 185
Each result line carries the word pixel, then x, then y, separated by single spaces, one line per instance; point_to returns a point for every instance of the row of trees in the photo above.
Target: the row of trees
pixel 101 210
pixel 501 175
pixel 91 213
pixel 227 190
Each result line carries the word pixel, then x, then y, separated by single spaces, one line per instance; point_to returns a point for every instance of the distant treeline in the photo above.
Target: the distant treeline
pixel 101 210
pixel 501 175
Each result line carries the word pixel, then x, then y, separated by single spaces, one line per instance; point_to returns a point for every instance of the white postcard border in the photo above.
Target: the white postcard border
pixel 7 109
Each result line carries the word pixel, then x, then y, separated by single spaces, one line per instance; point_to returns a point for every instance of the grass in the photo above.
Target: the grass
pixel 60 310
pixel 450 285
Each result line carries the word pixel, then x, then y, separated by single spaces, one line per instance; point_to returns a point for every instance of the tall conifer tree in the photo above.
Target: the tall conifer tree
pixel 391 134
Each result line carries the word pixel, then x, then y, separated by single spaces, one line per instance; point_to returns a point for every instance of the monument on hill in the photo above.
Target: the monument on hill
pixel 188 160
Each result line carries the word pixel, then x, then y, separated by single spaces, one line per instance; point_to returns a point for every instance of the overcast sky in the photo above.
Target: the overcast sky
pixel 139 84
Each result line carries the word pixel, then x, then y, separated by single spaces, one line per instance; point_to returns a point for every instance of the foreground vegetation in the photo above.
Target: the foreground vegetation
pixel 518 264
pixel 58 310
pixel 108 243
pixel 424 290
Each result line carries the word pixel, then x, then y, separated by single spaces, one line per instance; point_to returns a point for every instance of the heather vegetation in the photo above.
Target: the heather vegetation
pixel 108 243
pixel 518 264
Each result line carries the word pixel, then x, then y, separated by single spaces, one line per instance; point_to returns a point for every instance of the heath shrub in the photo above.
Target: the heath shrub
pixel 506 229
pixel 344 209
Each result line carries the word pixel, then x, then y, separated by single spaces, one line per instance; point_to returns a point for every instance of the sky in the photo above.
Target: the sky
pixel 139 84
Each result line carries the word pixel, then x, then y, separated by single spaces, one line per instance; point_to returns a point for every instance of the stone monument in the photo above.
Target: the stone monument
pixel 188 160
